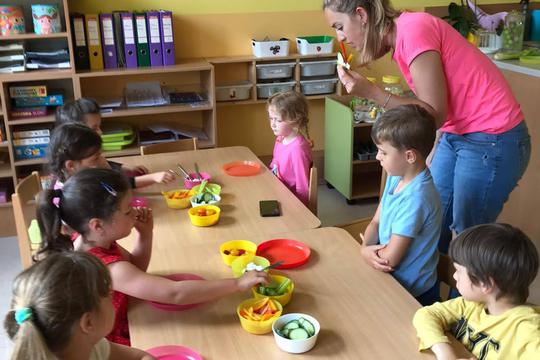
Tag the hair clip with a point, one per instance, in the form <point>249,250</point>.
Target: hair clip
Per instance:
<point>109,188</point>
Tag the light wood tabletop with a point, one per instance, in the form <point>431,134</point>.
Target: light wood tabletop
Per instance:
<point>364,314</point>
<point>240,198</point>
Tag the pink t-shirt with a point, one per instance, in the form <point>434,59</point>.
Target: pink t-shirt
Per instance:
<point>291,164</point>
<point>479,98</point>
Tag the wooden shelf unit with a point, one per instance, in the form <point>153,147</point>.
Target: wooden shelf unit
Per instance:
<point>30,36</point>
<point>242,70</point>
<point>353,178</point>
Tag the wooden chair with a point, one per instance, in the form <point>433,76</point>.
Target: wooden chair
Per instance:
<point>445,272</point>
<point>356,227</point>
<point>24,209</point>
<point>313,188</point>
<point>172,146</point>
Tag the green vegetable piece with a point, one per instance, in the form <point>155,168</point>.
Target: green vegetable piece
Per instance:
<point>298,334</point>
<point>283,287</point>
<point>293,324</point>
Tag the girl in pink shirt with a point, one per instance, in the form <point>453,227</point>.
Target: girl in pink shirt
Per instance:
<point>483,147</point>
<point>288,114</point>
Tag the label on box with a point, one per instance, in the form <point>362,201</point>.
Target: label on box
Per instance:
<point>32,141</point>
<point>31,134</point>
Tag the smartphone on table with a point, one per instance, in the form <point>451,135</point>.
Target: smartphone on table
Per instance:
<point>269,208</point>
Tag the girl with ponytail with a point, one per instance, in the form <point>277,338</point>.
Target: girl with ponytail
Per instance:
<point>96,204</point>
<point>61,309</point>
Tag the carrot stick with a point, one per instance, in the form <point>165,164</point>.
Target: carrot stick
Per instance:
<point>343,50</point>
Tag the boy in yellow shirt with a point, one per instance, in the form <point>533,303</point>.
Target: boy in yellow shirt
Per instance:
<point>495,264</point>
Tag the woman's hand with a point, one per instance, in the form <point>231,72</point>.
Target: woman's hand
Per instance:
<point>372,258</point>
<point>355,83</point>
<point>252,278</point>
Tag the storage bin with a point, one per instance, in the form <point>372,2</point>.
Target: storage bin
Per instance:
<point>115,132</point>
<point>233,92</point>
<point>264,91</point>
<point>319,86</point>
<point>269,48</point>
<point>309,45</point>
<point>318,68</point>
<point>118,145</point>
<point>275,70</point>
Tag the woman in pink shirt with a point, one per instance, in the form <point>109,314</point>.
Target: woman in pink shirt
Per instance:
<point>288,114</point>
<point>483,146</point>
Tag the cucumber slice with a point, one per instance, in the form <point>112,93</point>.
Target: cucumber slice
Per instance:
<point>298,334</point>
<point>293,324</point>
<point>285,333</point>
<point>308,326</point>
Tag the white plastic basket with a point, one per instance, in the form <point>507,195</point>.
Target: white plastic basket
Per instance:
<point>269,48</point>
<point>311,45</point>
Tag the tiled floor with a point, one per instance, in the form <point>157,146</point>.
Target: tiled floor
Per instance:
<point>333,210</point>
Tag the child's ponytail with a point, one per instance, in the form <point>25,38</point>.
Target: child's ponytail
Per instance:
<point>28,341</point>
<point>49,217</point>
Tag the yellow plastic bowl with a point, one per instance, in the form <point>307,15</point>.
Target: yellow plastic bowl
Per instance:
<point>178,203</point>
<point>248,246</point>
<point>210,187</point>
<point>257,327</point>
<point>282,299</point>
<point>238,265</point>
<point>204,220</point>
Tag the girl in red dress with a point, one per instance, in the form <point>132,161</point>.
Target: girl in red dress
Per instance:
<point>96,204</point>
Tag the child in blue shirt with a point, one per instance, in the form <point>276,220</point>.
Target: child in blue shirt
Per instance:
<point>403,236</point>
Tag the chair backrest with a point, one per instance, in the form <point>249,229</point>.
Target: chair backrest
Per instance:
<point>171,146</point>
<point>24,210</point>
<point>445,271</point>
<point>313,189</point>
<point>356,227</point>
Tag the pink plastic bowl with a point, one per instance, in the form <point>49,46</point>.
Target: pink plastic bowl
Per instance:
<point>189,184</point>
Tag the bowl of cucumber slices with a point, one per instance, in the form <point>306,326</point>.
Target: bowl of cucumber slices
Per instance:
<point>296,333</point>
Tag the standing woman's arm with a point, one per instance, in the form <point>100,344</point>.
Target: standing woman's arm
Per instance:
<point>428,79</point>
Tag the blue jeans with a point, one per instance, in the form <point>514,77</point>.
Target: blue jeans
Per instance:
<point>475,173</point>
<point>431,296</point>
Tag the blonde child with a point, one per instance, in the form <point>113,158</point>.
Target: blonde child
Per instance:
<point>495,265</point>
<point>403,236</point>
<point>292,158</point>
<point>86,111</point>
<point>96,204</point>
<point>74,146</point>
<point>62,309</point>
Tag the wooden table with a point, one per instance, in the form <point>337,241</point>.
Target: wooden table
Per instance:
<point>364,314</point>
<point>240,216</point>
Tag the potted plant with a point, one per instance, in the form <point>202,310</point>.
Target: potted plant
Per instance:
<point>462,18</point>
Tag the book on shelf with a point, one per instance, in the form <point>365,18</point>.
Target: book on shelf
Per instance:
<point>12,58</point>
<point>49,100</point>
<point>27,91</point>
<point>180,131</point>
<point>28,112</point>
<point>31,148</point>
<point>25,134</point>
<point>144,94</point>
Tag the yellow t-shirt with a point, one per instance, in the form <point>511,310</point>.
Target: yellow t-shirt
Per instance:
<point>514,334</point>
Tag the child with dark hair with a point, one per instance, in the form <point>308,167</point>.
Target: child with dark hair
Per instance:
<point>96,204</point>
<point>74,146</point>
<point>495,265</point>
<point>87,112</point>
<point>62,309</point>
<point>403,235</point>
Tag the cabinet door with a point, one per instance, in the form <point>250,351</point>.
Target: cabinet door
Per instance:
<point>338,146</point>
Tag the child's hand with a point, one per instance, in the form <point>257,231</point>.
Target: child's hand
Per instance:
<point>370,255</point>
<point>144,223</point>
<point>163,177</point>
<point>252,278</point>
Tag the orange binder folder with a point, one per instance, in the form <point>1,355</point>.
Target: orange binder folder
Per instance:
<point>93,35</point>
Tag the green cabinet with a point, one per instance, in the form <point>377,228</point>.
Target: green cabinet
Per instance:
<point>354,179</point>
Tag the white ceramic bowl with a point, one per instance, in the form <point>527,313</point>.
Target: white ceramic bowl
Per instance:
<point>295,346</point>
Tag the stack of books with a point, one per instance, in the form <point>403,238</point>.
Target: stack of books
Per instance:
<point>33,101</point>
<point>31,144</point>
<point>12,58</point>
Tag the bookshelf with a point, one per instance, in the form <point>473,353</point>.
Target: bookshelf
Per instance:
<point>187,75</point>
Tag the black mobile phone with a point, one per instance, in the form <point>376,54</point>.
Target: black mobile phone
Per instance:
<point>269,208</point>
